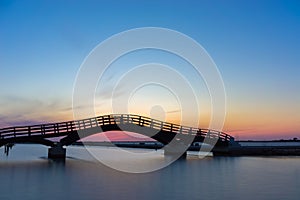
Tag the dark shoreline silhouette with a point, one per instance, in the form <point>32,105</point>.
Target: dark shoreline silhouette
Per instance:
<point>254,150</point>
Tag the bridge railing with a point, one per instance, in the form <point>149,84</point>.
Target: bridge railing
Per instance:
<point>63,128</point>
<point>166,126</point>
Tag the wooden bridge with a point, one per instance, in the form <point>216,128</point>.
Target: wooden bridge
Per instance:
<point>169,134</point>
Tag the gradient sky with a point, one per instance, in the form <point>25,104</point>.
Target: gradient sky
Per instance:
<point>255,44</point>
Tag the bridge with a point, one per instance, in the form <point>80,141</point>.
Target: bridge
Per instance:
<point>174,136</point>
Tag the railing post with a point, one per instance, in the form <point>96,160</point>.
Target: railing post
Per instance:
<point>226,137</point>
<point>151,123</point>
<point>80,124</point>
<point>29,131</point>
<point>100,120</point>
<point>208,133</point>
<point>90,121</point>
<point>83,122</point>
<point>113,119</point>
<point>109,122</point>
<point>95,120</point>
<point>67,124</point>
<point>121,119</point>
<point>72,123</point>
<point>56,127</point>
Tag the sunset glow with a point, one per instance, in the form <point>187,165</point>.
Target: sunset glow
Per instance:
<point>42,49</point>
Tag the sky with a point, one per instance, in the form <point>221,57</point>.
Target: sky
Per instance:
<point>254,44</point>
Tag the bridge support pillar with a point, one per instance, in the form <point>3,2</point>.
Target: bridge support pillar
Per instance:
<point>175,153</point>
<point>57,152</point>
<point>171,153</point>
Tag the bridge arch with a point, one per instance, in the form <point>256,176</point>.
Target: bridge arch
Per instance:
<point>72,131</point>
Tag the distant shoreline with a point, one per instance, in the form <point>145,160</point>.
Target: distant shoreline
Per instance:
<point>245,148</point>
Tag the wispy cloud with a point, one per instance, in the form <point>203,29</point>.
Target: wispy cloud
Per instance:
<point>173,111</point>
<point>107,93</point>
<point>15,110</point>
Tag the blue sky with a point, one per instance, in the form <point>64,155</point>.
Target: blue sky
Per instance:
<point>255,44</point>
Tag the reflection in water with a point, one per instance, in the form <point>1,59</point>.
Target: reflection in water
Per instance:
<point>24,175</point>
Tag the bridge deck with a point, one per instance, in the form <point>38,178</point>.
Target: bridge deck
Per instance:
<point>37,133</point>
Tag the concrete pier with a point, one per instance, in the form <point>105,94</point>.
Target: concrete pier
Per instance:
<point>175,151</point>
<point>173,154</point>
<point>57,152</point>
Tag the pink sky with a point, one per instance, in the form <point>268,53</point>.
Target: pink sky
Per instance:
<point>117,136</point>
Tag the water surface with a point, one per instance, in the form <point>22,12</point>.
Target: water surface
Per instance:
<point>26,174</point>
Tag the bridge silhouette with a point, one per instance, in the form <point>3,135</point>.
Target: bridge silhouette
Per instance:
<point>169,134</point>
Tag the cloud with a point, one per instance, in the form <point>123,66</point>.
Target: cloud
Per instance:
<point>240,131</point>
<point>173,111</point>
<point>107,93</point>
<point>70,108</point>
<point>17,110</point>
<point>17,120</point>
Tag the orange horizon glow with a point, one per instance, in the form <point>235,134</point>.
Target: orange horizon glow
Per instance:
<point>241,125</point>
<point>248,127</point>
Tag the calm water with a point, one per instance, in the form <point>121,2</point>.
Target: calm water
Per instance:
<point>27,175</point>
